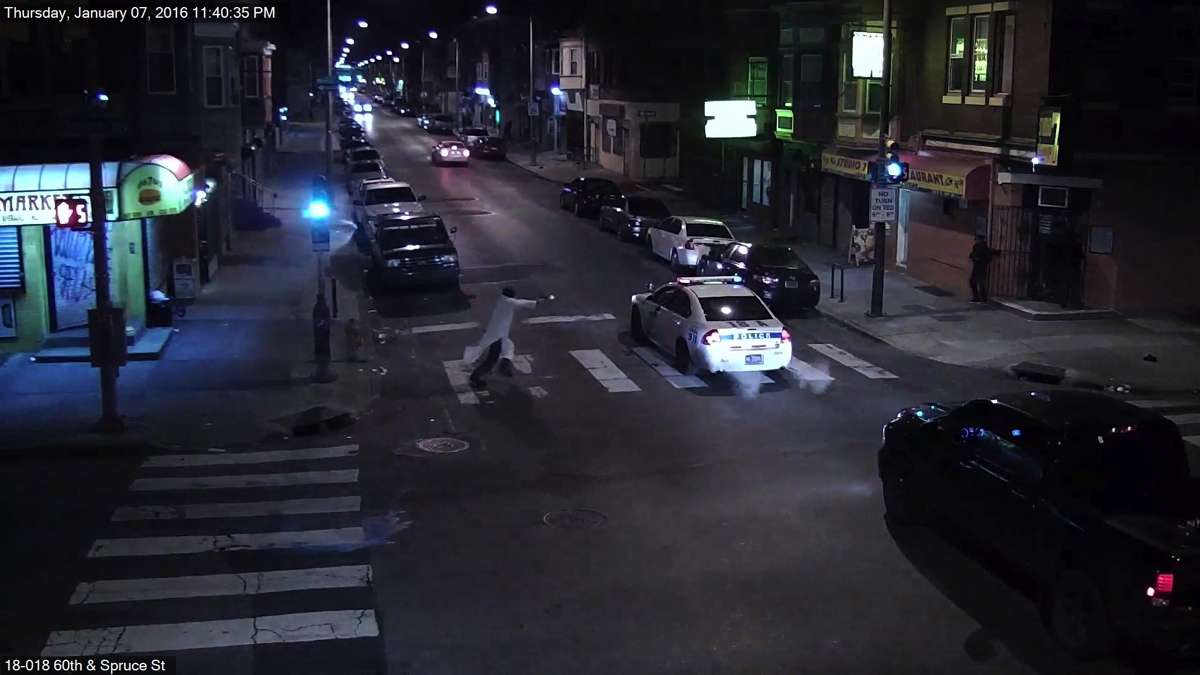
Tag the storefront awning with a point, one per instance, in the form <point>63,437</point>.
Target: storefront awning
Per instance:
<point>851,166</point>
<point>949,174</point>
<point>139,188</point>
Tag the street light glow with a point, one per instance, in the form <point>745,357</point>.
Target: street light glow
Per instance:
<point>362,23</point>
<point>349,41</point>
<point>556,91</point>
<point>432,34</point>
<point>404,45</point>
<point>388,52</point>
<point>395,59</point>
<point>491,9</point>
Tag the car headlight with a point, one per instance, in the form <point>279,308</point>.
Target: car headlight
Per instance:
<point>358,107</point>
<point>395,262</point>
<point>448,259</point>
<point>466,153</point>
<point>366,107</point>
<point>444,152</point>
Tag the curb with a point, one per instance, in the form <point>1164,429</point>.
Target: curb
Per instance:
<point>844,323</point>
<point>526,169</point>
<point>91,446</point>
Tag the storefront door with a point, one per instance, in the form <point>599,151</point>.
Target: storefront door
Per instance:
<point>72,278</point>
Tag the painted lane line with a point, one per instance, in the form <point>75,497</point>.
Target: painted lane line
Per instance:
<point>283,507</point>
<point>246,480</point>
<point>209,543</point>
<point>157,638</point>
<point>807,372</point>
<point>207,586</point>
<point>1192,440</point>
<point>677,379</point>
<point>604,370</point>
<point>1164,404</point>
<point>1188,418</point>
<point>568,319</point>
<point>865,368</point>
<point>456,373</point>
<point>264,457</point>
<point>538,392</point>
<point>443,327</point>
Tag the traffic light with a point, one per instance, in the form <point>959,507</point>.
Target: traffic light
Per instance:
<point>890,170</point>
<point>319,202</point>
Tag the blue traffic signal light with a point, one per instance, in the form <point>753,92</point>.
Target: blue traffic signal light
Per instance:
<point>317,209</point>
<point>891,170</point>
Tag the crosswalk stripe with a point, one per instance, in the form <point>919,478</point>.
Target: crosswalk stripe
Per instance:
<point>206,543</point>
<point>1192,440</point>
<point>283,507</point>
<point>538,392</point>
<point>278,628</point>
<point>604,370</point>
<point>534,320</point>
<point>246,480</point>
<point>249,583</point>
<point>264,457</point>
<point>865,368</point>
<point>1188,418</point>
<point>459,381</point>
<point>1164,404</point>
<point>674,377</point>
<point>443,327</point>
<point>807,372</point>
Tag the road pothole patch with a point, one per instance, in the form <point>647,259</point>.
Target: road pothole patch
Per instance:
<point>442,445</point>
<point>575,519</point>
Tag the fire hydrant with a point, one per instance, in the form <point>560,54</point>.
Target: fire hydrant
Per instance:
<point>354,340</point>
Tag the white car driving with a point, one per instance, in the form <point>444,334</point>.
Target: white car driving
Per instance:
<point>384,198</point>
<point>713,324</point>
<point>683,240</point>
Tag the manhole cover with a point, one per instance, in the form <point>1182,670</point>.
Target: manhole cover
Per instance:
<point>442,446</point>
<point>575,519</point>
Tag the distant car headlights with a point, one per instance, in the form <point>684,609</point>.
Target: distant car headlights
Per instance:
<point>444,152</point>
<point>358,107</point>
<point>466,153</point>
<point>366,107</point>
<point>447,259</point>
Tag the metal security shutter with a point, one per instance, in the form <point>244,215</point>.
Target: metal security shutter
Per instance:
<point>10,259</point>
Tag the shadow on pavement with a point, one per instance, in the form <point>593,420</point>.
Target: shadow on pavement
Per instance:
<point>404,302</point>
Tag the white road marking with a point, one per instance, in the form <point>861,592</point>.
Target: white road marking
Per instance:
<point>246,480</point>
<point>1188,418</point>
<point>538,392</point>
<point>845,358</point>
<point>604,370</point>
<point>1192,440</point>
<point>283,507</point>
<point>207,543</point>
<point>523,363</point>
<point>568,319</point>
<point>263,457</point>
<point>249,583</point>
<point>157,638</point>
<point>1164,404</point>
<point>458,376</point>
<point>808,372</point>
<point>443,327</point>
<point>677,379</point>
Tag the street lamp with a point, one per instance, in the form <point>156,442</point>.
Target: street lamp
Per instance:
<point>362,23</point>
<point>395,59</point>
<point>404,45</point>
<point>349,41</point>
<point>388,52</point>
<point>432,34</point>
<point>491,9</point>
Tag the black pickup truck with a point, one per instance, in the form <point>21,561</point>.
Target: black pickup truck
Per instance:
<point>1089,495</point>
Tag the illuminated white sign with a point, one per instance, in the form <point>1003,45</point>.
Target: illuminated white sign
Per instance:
<point>730,119</point>
<point>866,54</point>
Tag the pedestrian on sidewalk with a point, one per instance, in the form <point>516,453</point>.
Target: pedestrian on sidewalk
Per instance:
<point>981,256</point>
<point>495,345</point>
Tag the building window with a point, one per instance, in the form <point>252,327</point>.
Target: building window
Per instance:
<point>980,34</point>
<point>955,68</point>
<point>555,61</point>
<point>785,80</point>
<point>573,61</point>
<point>810,68</point>
<point>849,87</point>
<point>756,79</point>
<point>250,76</point>
<point>874,96</point>
<point>1006,38</point>
<point>756,182</point>
<point>785,37</point>
<point>160,58</point>
<point>214,77</point>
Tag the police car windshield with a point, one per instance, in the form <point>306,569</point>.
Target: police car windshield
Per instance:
<point>708,230</point>
<point>734,308</point>
<point>399,237</point>
<point>391,194</point>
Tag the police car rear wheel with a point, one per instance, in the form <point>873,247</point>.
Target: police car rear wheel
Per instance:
<point>676,268</point>
<point>683,358</point>
<point>635,327</point>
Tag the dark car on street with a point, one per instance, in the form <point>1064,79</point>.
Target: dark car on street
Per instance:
<point>489,147</point>
<point>633,218</point>
<point>774,271</point>
<point>1091,497</point>
<point>414,250</point>
<point>585,196</point>
<point>351,143</point>
<point>441,124</point>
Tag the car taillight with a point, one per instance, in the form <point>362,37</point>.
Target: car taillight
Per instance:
<point>785,336</point>
<point>688,245</point>
<point>1164,583</point>
<point>711,338</point>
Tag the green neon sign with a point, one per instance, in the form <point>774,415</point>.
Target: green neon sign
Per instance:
<point>784,123</point>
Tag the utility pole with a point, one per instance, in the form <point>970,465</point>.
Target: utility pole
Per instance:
<point>884,120</point>
<point>320,312</point>
<point>328,94</point>
<point>532,118</point>
<point>106,324</point>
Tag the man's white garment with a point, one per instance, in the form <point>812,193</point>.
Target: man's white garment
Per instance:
<point>498,328</point>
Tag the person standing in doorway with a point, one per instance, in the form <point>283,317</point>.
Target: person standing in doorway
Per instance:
<point>495,343</point>
<point>981,256</point>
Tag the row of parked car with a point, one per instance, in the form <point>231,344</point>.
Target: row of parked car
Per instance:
<point>693,244</point>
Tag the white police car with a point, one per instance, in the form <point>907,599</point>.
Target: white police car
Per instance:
<point>711,323</point>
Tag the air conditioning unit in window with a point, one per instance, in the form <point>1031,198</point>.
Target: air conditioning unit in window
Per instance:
<point>8,318</point>
<point>1053,197</point>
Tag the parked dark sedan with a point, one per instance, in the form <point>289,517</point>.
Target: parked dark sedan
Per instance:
<point>440,124</point>
<point>414,250</point>
<point>633,218</point>
<point>585,196</point>
<point>1090,496</point>
<point>774,271</point>
<point>491,147</point>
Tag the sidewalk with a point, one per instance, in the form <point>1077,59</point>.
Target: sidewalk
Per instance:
<point>241,357</point>
<point>931,323</point>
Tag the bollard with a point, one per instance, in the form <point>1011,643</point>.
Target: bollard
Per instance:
<point>321,333</point>
<point>354,340</point>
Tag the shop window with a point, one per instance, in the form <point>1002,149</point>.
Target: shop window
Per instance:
<point>214,77</point>
<point>955,66</point>
<point>658,140</point>
<point>980,39</point>
<point>756,79</point>
<point>756,182</point>
<point>160,58</point>
<point>785,81</point>
<point>250,88</point>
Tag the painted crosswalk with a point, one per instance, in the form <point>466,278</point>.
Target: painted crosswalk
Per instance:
<point>865,368</point>
<point>604,370</point>
<point>186,536</point>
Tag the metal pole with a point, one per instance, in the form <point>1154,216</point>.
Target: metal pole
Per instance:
<point>110,420</point>
<point>884,119</point>
<point>328,94</point>
<point>532,119</point>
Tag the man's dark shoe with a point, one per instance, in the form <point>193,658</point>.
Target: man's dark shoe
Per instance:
<point>477,383</point>
<point>506,368</point>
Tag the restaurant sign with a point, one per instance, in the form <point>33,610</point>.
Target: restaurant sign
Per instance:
<point>937,182</point>
<point>845,166</point>
<point>153,190</point>
<point>37,207</point>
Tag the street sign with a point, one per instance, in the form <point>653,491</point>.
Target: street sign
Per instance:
<point>884,202</point>
<point>534,109</point>
<point>320,236</point>
<point>647,113</point>
<point>327,83</point>
<point>71,212</point>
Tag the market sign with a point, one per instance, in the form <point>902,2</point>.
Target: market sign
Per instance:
<point>37,207</point>
<point>161,186</point>
<point>851,167</point>
<point>730,119</point>
<point>936,181</point>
